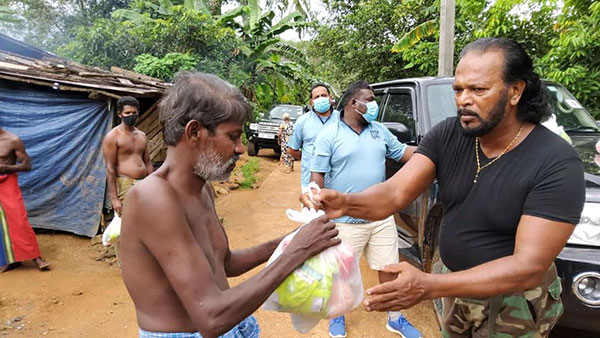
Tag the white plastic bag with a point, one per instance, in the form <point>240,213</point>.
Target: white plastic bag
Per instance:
<point>112,231</point>
<point>325,286</point>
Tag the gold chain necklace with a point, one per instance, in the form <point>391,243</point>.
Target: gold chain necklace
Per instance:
<point>479,167</point>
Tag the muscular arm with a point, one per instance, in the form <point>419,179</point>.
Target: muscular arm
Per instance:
<point>408,153</point>
<point>318,178</point>
<point>22,160</point>
<point>296,154</point>
<point>383,199</point>
<point>147,162</point>
<point>538,243</point>
<point>109,150</point>
<point>167,235</point>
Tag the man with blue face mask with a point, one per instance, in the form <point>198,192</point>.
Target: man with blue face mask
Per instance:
<point>349,156</point>
<point>308,126</point>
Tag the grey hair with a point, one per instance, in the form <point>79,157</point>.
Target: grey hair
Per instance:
<point>202,97</point>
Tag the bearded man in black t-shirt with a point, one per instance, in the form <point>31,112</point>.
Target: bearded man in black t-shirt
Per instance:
<point>512,192</point>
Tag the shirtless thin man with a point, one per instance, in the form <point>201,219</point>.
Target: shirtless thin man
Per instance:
<point>23,245</point>
<point>175,255</point>
<point>126,155</point>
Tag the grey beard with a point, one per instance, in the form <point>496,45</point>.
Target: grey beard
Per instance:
<point>212,167</point>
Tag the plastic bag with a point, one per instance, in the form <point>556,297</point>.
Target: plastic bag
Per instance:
<point>112,231</point>
<point>325,286</point>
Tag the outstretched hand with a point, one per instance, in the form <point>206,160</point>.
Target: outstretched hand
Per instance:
<point>330,201</point>
<point>408,289</point>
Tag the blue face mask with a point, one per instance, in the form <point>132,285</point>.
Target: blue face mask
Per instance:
<point>372,110</point>
<point>321,104</point>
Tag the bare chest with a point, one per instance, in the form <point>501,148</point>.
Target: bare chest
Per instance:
<point>129,144</point>
<point>209,234</point>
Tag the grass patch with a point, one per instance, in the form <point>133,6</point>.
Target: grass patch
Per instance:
<point>249,170</point>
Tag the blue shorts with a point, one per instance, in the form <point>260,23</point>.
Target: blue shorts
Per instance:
<point>247,328</point>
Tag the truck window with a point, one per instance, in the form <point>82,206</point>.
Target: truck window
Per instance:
<point>441,103</point>
<point>399,108</point>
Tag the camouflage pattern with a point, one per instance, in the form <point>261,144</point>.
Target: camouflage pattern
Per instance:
<point>532,313</point>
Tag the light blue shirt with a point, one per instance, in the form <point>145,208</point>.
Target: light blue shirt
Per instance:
<point>353,161</point>
<point>306,129</point>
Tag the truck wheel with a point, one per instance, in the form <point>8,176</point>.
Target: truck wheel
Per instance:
<point>252,148</point>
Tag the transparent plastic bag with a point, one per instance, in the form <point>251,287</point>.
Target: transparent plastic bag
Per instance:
<point>112,231</point>
<point>325,286</point>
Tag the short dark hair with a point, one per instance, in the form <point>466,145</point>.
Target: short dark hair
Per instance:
<point>320,85</point>
<point>354,88</point>
<point>127,101</point>
<point>202,97</point>
<point>533,106</point>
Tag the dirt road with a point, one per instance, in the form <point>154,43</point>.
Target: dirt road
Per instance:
<point>82,297</point>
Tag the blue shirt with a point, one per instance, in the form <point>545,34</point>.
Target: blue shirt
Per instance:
<point>353,161</point>
<point>306,129</point>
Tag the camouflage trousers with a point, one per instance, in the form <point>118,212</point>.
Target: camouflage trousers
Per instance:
<point>531,313</point>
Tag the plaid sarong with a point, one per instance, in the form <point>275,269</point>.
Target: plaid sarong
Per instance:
<point>247,328</point>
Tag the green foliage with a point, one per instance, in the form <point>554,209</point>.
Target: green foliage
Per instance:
<point>50,23</point>
<point>112,42</point>
<point>357,42</point>
<point>164,68</point>
<point>573,59</point>
<point>274,71</point>
<point>249,170</point>
<point>7,15</point>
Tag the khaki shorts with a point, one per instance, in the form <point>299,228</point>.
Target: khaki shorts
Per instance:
<point>378,240</point>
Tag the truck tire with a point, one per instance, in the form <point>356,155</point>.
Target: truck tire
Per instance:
<point>252,148</point>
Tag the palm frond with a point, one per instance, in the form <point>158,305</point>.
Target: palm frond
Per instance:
<point>129,15</point>
<point>411,38</point>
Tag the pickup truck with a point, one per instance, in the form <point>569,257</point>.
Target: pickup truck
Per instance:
<point>263,133</point>
<point>411,107</point>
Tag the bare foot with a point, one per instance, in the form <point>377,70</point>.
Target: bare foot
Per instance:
<point>41,264</point>
<point>10,266</point>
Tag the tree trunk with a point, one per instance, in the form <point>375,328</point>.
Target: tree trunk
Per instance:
<point>214,6</point>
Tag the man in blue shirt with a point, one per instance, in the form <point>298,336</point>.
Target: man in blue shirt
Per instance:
<point>349,156</point>
<point>308,126</point>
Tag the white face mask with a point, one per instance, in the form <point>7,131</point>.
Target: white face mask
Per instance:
<point>212,167</point>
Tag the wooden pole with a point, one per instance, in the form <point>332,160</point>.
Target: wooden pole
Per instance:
<point>446,54</point>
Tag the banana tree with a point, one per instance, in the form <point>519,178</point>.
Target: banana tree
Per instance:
<point>262,52</point>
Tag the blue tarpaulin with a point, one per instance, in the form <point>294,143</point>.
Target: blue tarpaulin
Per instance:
<point>62,132</point>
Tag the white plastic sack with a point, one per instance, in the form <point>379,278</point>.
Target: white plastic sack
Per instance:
<point>325,286</point>
<point>112,231</point>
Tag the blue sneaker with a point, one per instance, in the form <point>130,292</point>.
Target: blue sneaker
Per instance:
<point>402,327</point>
<point>337,327</point>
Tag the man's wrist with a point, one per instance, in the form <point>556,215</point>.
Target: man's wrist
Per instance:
<point>430,281</point>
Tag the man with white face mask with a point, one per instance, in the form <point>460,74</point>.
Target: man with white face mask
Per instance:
<point>175,255</point>
<point>308,126</point>
<point>349,156</point>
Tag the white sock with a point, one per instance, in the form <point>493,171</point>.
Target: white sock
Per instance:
<point>394,315</point>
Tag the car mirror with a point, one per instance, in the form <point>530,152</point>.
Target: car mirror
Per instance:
<point>400,131</point>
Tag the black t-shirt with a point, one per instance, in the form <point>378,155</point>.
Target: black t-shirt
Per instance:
<point>542,177</point>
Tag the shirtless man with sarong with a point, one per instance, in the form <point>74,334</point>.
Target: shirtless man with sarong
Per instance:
<point>175,255</point>
<point>126,155</point>
<point>17,239</point>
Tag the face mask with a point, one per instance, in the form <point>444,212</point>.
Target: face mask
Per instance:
<point>322,104</point>
<point>372,110</point>
<point>130,120</point>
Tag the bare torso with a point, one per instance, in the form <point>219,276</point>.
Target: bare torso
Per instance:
<point>131,146</point>
<point>7,148</point>
<point>158,307</point>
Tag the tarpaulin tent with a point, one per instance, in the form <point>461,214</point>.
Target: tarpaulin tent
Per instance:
<point>62,110</point>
